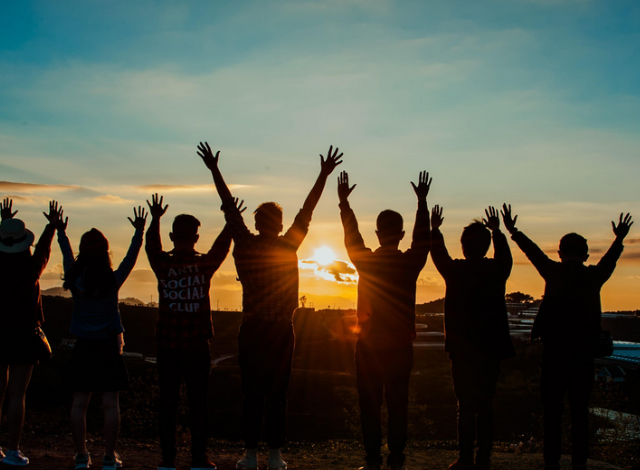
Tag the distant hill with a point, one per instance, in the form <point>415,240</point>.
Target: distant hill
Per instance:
<point>131,301</point>
<point>56,292</point>
<point>435,306</point>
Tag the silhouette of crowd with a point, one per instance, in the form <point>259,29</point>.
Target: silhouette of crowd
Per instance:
<point>477,335</point>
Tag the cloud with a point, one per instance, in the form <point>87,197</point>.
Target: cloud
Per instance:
<point>338,271</point>
<point>143,275</point>
<point>113,199</point>
<point>226,280</point>
<point>36,187</point>
<point>185,188</point>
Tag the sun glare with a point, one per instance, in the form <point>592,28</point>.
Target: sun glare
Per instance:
<point>324,256</point>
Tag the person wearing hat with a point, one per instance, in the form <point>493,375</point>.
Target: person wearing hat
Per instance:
<point>97,364</point>
<point>20,314</point>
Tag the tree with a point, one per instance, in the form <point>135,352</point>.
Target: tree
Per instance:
<point>518,298</point>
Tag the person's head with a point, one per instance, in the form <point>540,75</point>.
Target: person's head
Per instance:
<point>268,217</point>
<point>475,240</point>
<point>573,247</point>
<point>92,266</point>
<point>184,234</point>
<point>389,228</point>
<point>14,236</point>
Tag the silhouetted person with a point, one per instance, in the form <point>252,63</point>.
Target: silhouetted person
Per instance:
<point>96,363</point>
<point>476,328</point>
<point>568,323</point>
<point>184,327</point>
<point>267,265</point>
<point>20,314</point>
<point>386,319</point>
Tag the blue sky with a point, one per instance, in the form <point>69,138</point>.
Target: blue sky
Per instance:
<point>532,102</point>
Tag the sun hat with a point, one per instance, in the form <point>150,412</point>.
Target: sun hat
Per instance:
<point>14,236</point>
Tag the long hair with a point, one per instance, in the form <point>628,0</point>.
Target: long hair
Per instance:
<point>91,274</point>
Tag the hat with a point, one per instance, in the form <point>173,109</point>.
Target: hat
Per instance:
<point>93,242</point>
<point>14,236</point>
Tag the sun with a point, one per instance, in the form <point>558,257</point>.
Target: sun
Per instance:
<point>324,256</point>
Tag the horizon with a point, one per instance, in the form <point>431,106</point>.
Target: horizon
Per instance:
<point>530,102</point>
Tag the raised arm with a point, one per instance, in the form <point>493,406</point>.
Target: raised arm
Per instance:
<point>43,248</point>
<point>608,262</point>
<point>65,245</point>
<point>220,248</point>
<point>211,161</point>
<point>502,253</point>
<point>439,253</point>
<point>153,246</point>
<point>129,261</point>
<point>326,168</point>
<point>538,258</point>
<point>421,230</point>
<point>352,238</point>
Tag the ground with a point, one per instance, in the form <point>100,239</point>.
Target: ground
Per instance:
<point>56,452</point>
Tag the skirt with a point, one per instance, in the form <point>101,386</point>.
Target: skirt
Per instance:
<point>18,347</point>
<point>97,366</point>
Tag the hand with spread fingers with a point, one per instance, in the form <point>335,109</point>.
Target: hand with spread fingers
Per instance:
<point>209,159</point>
<point>155,206</point>
<point>509,221</point>
<point>624,225</point>
<point>55,213</point>
<point>492,221</point>
<point>333,160</point>
<point>139,218</point>
<point>6,207</point>
<point>424,185</point>
<point>436,217</point>
<point>343,187</point>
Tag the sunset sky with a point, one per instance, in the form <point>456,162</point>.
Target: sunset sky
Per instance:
<point>532,102</point>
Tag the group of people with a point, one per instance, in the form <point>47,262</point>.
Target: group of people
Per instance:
<point>476,326</point>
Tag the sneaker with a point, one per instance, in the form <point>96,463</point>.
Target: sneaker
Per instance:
<point>166,466</point>
<point>461,465</point>
<point>15,458</point>
<point>111,463</point>
<point>370,467</point>
<point>82,461</point>
<point>203,465</point>
<point>247,462</point>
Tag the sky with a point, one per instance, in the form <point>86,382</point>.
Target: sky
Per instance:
<point>531,102</point>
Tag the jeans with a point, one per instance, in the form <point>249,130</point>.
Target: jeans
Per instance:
<point>192,364</point>
<point>564,372</point>
<point>475,376</point>
<point>265,353</point>
<point>387,371</point>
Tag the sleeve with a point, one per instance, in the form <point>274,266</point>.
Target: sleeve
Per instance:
<point>439,254</point>
<point>42,253</point>
<point>153,245</point>
<point>129,261</point>
<point>421,241</point>
<point>352,238</point>
<point>299,229</point>
<point>67,251</point>
<point>540,261</point>
<point>502,253</point>
<point>219,250</point>
<point>607,263</point>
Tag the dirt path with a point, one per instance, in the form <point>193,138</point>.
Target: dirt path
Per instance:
<point>57,453</point>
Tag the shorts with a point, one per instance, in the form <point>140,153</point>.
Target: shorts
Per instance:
<point>97,366</point>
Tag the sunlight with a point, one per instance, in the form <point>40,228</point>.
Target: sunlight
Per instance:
<point>324,256</point>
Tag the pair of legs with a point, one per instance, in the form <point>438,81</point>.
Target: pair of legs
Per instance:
<point>111,406</point>
<point>384,372</point>
<point>475,376</point>
<point>193,364</point>
<point>14,380</point>
<point>265,353</point>
<point>573,374</point>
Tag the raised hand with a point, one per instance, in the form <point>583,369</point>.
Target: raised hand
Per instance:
<point>327,166</point>
<point>424,184</point>
<point>492,221</point>
<point>55,213</point>
<point>624,224</point>
<point>5,209</point>
<point>239,205</point>
<point>436,217</point>
<point>343,186</point>
<point>155,206</point>
<point>209,159</point>
<point>140,218</point>
<point>509,221</point>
